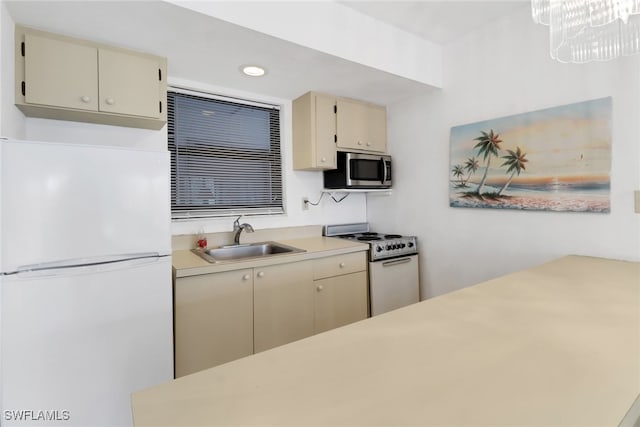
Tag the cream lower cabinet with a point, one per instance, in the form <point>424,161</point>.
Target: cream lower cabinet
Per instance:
<point>213,319</point>
<point>283,299</point>
<point>341,290</point>
<point>220,317</point>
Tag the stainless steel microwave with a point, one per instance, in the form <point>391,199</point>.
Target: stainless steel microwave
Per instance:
<point>356,170</point>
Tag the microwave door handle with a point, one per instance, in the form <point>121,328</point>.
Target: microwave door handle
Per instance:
<point>384,171</point>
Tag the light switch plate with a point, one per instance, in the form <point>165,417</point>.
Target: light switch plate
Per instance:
<point>637,201</point>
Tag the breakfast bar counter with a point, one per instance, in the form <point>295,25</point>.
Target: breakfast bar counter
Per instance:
<point>554,345</point>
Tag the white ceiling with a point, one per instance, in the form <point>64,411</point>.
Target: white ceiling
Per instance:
<point>438,21</point>
<point>208,50</point>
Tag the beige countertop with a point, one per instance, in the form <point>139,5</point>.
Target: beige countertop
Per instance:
<point>555,345</point>
<point>186,263</point>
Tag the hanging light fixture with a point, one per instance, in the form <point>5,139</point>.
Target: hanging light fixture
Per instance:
<point>590,30</point>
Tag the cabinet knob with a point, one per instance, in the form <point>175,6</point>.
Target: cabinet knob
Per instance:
<point>86,99</point>
<point>319,288</point>
<point>110,101</point>
<point>324,159</point>
<point>342,264</point>
<point>368,144</point>
<point>261,274</point>
<point>359,142</point>
<point>246,277</point>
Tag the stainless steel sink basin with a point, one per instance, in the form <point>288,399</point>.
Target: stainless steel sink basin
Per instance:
<point>242,252</point>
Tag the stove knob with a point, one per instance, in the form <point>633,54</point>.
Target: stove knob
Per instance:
<point>402,246</point>
<point>410,244</point>
<point>379,248</point>
<point>388,247</point>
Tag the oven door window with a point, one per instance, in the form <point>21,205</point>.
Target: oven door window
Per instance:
<point>366,170</point>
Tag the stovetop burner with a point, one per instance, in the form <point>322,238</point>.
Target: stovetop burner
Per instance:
<point>383,246</point>
<point>368,238</point>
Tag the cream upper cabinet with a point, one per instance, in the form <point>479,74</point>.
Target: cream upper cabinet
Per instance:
<point>324,124</point>
<point>63,78</point>
<point>341,290</point>
<point>283,299</point>
<point>128,83</point>
<point>60,73</point>
<point>361,126</point>
<point>314,132</point>
<point>213,319</point>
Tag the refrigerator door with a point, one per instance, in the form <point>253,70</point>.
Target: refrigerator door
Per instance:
<point>77,342</point>
<point>71,202</point>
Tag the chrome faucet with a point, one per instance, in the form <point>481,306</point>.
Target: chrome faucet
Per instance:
<point>237,228</point>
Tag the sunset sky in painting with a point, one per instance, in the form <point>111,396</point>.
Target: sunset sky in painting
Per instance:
<point>566,143</point>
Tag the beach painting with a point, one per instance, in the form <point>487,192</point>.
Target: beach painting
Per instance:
<point>556,159</point>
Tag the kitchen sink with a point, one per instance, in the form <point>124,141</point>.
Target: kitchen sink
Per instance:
<point>242,252</point>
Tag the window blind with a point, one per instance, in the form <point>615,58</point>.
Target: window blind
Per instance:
<point>225,157</point>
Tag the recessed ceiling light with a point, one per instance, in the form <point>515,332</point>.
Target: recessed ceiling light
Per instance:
<point>253,70</point>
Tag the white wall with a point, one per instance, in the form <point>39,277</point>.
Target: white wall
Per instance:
<point>298,184</point>
<point>501,70</point>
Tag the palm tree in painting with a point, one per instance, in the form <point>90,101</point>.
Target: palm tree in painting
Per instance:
<point>471,166</point>
<point>458,173</point>
<point>515,160</point>
<point>488,145</point>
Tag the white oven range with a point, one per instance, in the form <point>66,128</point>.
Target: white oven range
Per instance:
<point>393,265</point>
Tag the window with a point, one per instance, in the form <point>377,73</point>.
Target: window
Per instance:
<point>225,156</point>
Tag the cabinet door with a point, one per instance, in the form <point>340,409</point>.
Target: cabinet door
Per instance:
<point>213,319</point>
<point>377,128</point>
<point>340,300</point>
<point>60,73</point>
<point>129,84</point>
<point>361,126</point>
<point>351,125</point>
<point>314,130</point>
<point>325,132</point>
<point>283,304</point>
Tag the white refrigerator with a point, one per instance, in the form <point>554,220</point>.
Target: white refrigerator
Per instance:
<point>85,281</point>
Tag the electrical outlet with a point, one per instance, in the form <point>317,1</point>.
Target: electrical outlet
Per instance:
<point>305,203</point>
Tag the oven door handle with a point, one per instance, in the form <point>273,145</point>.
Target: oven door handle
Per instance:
<point>396,262</point>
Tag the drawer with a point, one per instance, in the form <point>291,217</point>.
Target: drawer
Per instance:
<point>339,264</point>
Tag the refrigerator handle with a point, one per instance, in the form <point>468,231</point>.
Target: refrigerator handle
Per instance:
<point>83,262</point>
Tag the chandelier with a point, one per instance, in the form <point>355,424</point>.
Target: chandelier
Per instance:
<point>590,30</point>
